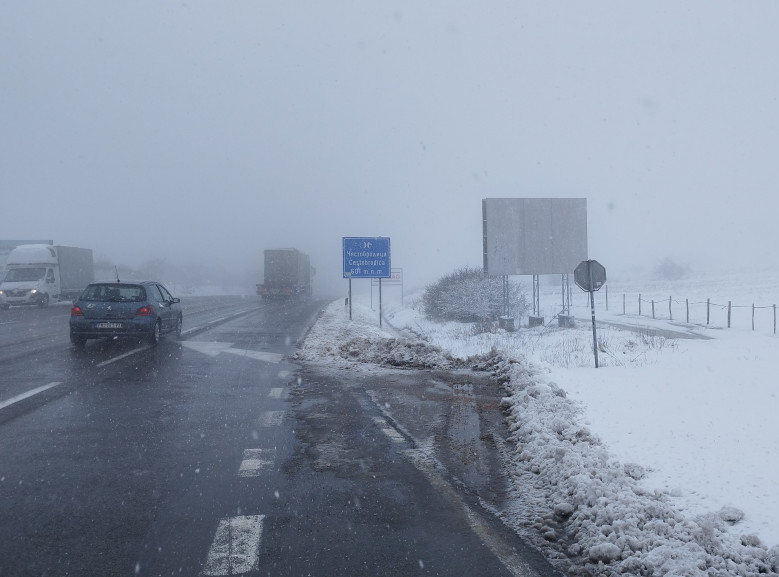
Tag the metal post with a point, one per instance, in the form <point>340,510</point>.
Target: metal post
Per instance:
<point>729,309</point>
<point>350,299</point>
<point>505,295</point>
<point>562,289</point>
<point>536,295</point>
<point>670,312</point>
<point>687,305</point>
<point>379,302</point>
<point>592,307</point>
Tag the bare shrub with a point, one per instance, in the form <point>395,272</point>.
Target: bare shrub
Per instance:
<point>468,295</point>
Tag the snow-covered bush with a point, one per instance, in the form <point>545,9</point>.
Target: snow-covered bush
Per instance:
<point>469,295</point>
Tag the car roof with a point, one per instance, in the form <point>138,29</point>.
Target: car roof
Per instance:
<point>124,282</point>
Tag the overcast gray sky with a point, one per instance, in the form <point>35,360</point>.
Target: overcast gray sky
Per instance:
<point>209,131</point>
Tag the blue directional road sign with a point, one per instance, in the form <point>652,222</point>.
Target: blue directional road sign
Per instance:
<point>367,257</point>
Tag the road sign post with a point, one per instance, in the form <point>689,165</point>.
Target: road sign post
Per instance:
<point>589,276</point>
<point>366,257</point>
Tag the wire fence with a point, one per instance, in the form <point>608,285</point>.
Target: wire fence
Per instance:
<point>724,314</point>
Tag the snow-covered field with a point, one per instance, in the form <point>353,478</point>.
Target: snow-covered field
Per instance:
<point>662,461</point>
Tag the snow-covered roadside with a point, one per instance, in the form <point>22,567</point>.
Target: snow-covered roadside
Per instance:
<point>591,511</point>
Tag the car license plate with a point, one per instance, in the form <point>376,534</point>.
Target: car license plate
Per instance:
<point>108,325</point>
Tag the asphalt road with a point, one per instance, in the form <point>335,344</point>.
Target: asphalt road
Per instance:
<point>215,455</point>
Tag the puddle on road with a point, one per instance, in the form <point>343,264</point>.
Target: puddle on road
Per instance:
<point>457,415</point>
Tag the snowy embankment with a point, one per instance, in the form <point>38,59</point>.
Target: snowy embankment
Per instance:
<point>594,510</point>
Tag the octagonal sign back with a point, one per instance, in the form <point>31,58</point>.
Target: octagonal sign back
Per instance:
<point>589,269</point>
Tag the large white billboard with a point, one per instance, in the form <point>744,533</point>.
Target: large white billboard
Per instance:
<point>533,236</point>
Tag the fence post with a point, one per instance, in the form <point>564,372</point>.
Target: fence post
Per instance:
<point>653,309</point>
<point>753,316</point>
<point>623,303</point>
<point>639,305</point>
<point>729,309</point>
<point>670,312</point>
<point>687,306</point>
<point>708,310</point>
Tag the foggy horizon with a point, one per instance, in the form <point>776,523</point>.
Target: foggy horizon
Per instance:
<point>204,133</point>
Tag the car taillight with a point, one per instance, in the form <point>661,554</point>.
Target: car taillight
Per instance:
<point>146,311</point>
<point>75,311</point>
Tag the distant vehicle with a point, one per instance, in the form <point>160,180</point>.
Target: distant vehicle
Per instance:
<point>287,274</point>
<point>40,273</point>
<point>144,310</point>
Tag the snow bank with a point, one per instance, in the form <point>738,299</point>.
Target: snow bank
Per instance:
<point>590,513</point>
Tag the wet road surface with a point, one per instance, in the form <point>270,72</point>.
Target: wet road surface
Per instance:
<point>215,455</point>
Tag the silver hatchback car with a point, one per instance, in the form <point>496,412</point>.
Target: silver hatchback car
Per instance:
<point>143,310</point>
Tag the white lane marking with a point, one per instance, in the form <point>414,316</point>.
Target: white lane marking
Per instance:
<point>271,418</point>
<point>505,552</point>
<point>257,355</point>
<point>209,348</point>
<point>394,435</point>
<point>276,393</point>
<point>28,394</point>
<point>255,460</point>
<point>120,357</point>
<point>236,546</point>
<point>214,348</point>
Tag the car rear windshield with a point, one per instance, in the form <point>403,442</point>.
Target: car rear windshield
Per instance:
<point>114,293</point>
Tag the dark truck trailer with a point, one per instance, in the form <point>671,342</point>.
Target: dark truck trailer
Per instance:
<point>287,274</point>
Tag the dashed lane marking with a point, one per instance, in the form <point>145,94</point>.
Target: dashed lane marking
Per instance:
<point>271,418</point>
<point>120,357</point>
<point>276,393</point>
<point>389,431</point>
<point>236,546</point>
<point>255,460</point>
<point>28,394</point>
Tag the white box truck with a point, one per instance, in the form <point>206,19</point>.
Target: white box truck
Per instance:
<point>37,274</point>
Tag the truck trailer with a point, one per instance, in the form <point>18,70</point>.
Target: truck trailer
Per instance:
<point>38,274</point>
<point>287,274</point>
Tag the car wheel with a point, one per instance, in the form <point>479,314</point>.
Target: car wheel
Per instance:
<point>154,338</point>
<point>77,340</point>
<point>179,323</point>
<point>44,302</point>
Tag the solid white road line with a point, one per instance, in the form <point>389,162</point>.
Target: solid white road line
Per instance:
<point>511,560</point>
<point>255,460</point>
<point>28,394</point>
<point>236,546</point>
